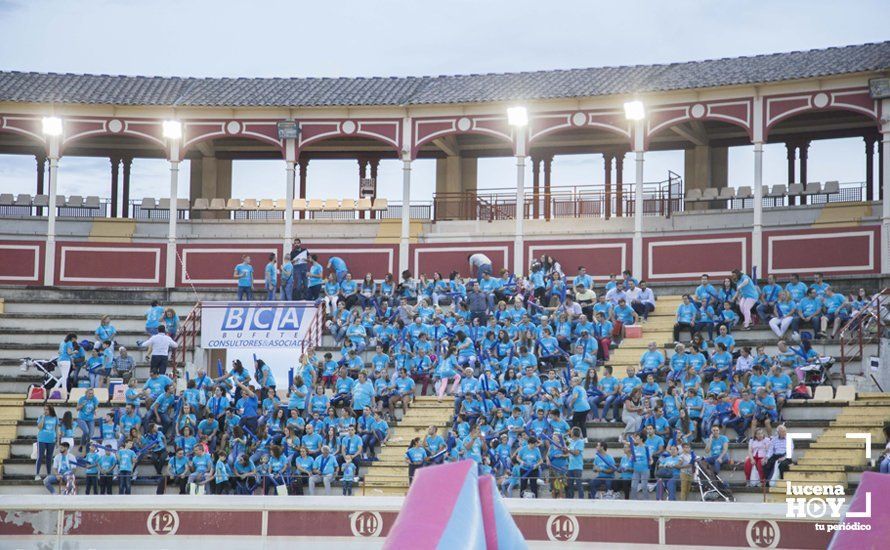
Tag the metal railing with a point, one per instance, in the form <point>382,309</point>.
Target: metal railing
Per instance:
<point>863,328</point>
<point>189,334</point>
<point>853,191</point>
<point>660,198</point>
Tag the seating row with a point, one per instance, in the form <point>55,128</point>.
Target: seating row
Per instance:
<point>74,201</point>
<point>745,191</point>
<point>299,205</point>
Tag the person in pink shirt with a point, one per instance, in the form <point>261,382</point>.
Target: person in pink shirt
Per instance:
<point>758,452</point>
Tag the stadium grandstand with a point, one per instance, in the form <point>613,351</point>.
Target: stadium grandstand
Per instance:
<point>622,340</point>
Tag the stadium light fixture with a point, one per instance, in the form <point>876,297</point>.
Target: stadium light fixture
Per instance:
<point>634,110</point>
<point>172,129</point>
<point>52,126</point>
<point>517,116</point>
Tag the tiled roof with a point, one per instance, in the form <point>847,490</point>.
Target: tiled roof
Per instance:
<point>319,92</point>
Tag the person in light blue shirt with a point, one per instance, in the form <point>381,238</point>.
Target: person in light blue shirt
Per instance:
<point>705,291</point>
<point>796,289</point>
<point>315,278</point>
<point>347,476</point>
<point>686,317</point>
<point>153,316</point>
<point>337,264</point>
<point>47,435</point>
<point>748,293</point>
<point>717,449</point>
<point>575,449</point>
<point>769,295</point>
<point>126,460</point>
<point>86,416</point>
<point>201,466</point>
<point>604,466</point>
<point>837,310</point>
<point>270,279</point>
<point>287,279</point>
<point>729,318</point>
<point>819,285</point>
<point>652,361</point>
<point>244,275</point>
<point>809,311</point>
<point>582,278</point>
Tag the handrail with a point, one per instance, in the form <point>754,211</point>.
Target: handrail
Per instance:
<point>185,339</point>
<point>853,337</point>
<point>313,335</point>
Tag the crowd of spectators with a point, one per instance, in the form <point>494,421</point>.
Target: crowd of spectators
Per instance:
<point>525,358</point>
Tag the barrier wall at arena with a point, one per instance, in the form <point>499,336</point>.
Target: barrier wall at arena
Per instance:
<point>176,522</point>
<point>838,241</point>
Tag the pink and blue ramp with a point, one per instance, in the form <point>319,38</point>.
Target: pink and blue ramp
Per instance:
<point>450,506</point>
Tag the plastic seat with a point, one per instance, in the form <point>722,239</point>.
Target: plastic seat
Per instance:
<point>280,204</point>
<point>148,203</point>
<point>795,189</point>
<point>266,204</point>
<point>363,204</point>
<point>75,394</point>
<point>92,202</point>
<point>101,394</point>
<point>845,393</point>
<point>6,199</point>
<point>299,205</point>
<point>331,204</point>
<point>315,205</point>
<point>23,200</point>
<point>347,205</point>
<point>744,192</point>
<point>727,193</point>
<point>164,204</point>
<point>380,205</point>
<point>249,204</point>
<point>693,195</point>
<point>75,201</point>
<point>709,194</point>
<point>777,191</point>
<point>201,204</point>
<point>41,200</point>
<point>217,204</point>
<point>813,188</point>
<point>831,188</point>
<point>823,393</point>
<point>60,200</point>
<point>233,204</point>
<point>182,204</point>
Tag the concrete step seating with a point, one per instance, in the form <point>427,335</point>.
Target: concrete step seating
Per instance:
<point>832,456</point>
<point>389,475</point>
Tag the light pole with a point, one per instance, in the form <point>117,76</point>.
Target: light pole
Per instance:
<point>173,133</point>
<point>52,129</point>
<point>635,111</point>
<point>517,117</point>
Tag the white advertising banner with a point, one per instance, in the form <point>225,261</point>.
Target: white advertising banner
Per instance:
<point>255,325</point>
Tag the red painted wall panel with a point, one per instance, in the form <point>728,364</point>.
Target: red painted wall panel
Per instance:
<point>686,258</point>
<point>360,259</point>
<point>213,264</point>
<point>848,250</point>
<point>92,522</point>
<point>21,262</point>
<point>109,264</point>
<point>691,532</point>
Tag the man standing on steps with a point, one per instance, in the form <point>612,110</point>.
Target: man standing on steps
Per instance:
<point>299,256</point>
<point>480,264</point>
<point>160,345</point>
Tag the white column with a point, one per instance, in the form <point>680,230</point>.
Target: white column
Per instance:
<point>757,232</point>
<point>885,204</point>
<point>519,239</point>
<point>49,261</point>
<point>171,228</point>
<point>637,267</point>
<point>406,214</point>
<point>291,172</point>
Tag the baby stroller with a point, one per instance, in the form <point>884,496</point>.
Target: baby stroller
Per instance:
<point>816,373</point>
<point>710,486</point>
<point>48,368</point>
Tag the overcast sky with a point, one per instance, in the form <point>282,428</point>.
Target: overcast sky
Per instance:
<point>404,37</point>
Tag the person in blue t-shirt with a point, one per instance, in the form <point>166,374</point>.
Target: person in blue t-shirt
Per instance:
<point>717,449</point>
<point>153,316</point>
<point>686,317</point>
<point>126,460</point>
<point>270,279</point>
<point>338,266</point>
<point>530,460</point>
<point>244,275</point>
<point>47,435</point>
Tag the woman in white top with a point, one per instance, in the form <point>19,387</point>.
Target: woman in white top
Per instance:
<point>758,452</point>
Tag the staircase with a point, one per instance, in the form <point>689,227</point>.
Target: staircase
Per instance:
<point>831,457</point>
<point>658,328</point>
<point>12,410</point>
<point>389,475</point>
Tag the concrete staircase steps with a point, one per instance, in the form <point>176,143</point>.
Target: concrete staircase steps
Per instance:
<point>389,475</point>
